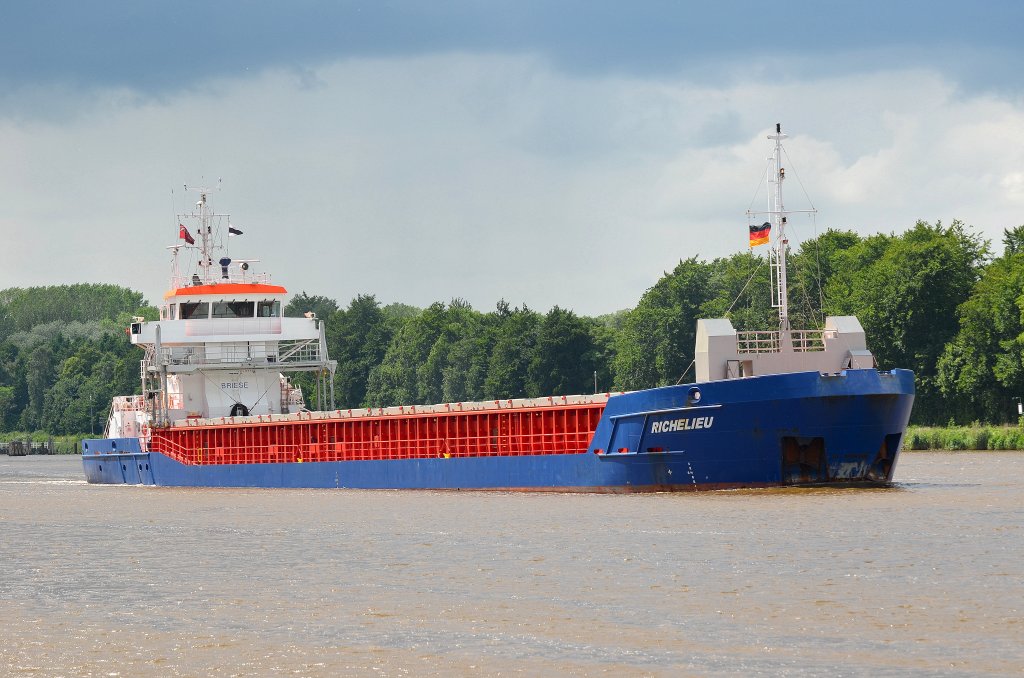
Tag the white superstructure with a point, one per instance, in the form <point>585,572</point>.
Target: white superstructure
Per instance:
<point>221,346</point>
<point>724,353</point>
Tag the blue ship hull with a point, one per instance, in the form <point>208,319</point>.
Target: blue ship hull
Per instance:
<point>789,429</point>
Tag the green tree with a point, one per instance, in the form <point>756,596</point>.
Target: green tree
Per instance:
<point>400,312</point>
<point>303,303</point>
<point>982,369</point>
<point>604,333</point>
<point>7,325</point>
<point>739,288</point>
<point>906,290</point>
<point>7,402</point>
<point>515,338</point>
<point>1013,240</point>
<point>38,378</point>
<point>403,375</point>
<point>442,375</point>
<point>66,303</point>
<point>357,337</point>
<point>645,358</point>
<point>564,358</point>
<point>463,377</point>
<point>810,270</point>
<point>656,343</point>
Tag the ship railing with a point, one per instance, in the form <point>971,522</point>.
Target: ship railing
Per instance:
<point>167,445</point>
<point>125,404</point>
<point>132,403</point>
<point>137,403</point>
<point>289,352</point>
<point>234,276</point>
<point>106,426</point>
<point>758,342</point>
<point>299,350</point>
<point>292,397</point>
<point>811,340</point>
<point>802,341</point>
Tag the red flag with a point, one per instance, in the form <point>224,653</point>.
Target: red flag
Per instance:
<point>183,233</point>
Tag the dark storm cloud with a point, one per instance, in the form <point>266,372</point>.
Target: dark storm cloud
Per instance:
<point>156,47</point>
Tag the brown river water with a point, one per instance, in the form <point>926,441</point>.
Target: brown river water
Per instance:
<point>922,579</point>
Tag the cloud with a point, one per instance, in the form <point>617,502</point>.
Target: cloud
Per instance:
<point>160,49</point>
<point>489,176</point>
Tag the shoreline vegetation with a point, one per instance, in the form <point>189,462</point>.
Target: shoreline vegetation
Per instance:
<point>62,444</point>
<point>976,437</point>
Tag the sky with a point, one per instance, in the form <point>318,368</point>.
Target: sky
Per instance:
<point>541,152</point>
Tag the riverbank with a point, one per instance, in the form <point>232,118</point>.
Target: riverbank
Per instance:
<point>973,437</point>
<point>69,444</point>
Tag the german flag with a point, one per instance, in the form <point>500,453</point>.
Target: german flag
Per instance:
<point>759,234</point>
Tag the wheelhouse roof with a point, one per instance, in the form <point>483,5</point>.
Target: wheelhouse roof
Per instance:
<point>254,291</point>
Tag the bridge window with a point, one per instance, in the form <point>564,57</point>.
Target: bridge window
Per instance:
<point>232,309</point>
<point>268,309</point>
<point>195,310</point>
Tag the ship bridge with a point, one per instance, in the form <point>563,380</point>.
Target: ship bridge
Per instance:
<point>219,348</point>
<point>230,325</point>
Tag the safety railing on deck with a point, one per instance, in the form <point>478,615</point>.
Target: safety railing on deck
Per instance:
<point>234,276</point>
<point>292,397</point>
<point>757,342</point>
<point>803,341</point>
<point>288,352</point>
<point>131,403</point>
<point>811,340</point>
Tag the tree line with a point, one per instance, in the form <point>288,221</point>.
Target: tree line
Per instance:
<point>936,299</point>
<point>64,354</point>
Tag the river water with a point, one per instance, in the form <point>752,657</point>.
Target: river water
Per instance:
<point>922,579</point>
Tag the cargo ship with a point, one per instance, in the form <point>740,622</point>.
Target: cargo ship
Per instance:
<point>218,408</point>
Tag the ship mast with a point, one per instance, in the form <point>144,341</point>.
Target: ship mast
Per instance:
<point>204,226</point>
<point>206,243</point>
<point>778,218</point>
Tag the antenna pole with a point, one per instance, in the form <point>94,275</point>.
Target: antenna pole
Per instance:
<point>175,268</point>
<point>778,217</point>
<point>204,226</point>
